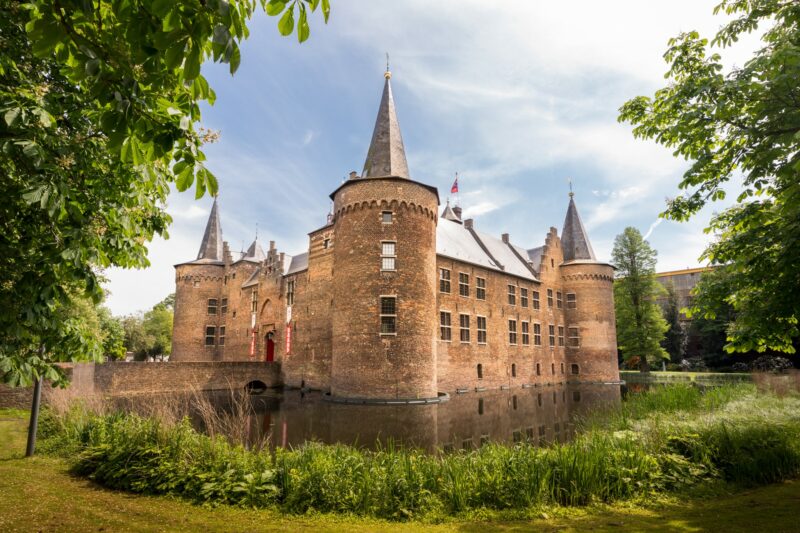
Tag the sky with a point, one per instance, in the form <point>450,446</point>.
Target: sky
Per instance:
<point>517,97</point>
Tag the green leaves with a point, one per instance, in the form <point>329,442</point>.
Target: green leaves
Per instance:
<point>286,10</point>
<point>286,22</point>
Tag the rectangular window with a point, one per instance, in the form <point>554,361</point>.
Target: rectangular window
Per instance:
<point>575,369</point>
<point>572,302</point>
<point>254,301</point>
<point>290,292</point>
<point>526,334</point>
<point>463,323</point>
<point>212,306</point>
<point>549,297</point>
<point>512,295</point>
<point>512,331</point>
<point>222,335</point>
<point>480,288</point>
<point>574,337</point>
<point>559,300</point>
<point>552,335</point>
<point>536,300</point>
<point>388,315</point>
<point>561,335</point>
<point>444,326</point>
<point>463,284</point>
<point>223,308</point>
<point>481,330</point>
<point>539,373</point>
<point>444,280</point>
<point>523,297</point>
<point>386,217</point>
<point>537,334</point>
<point>388,256</point>
<point>326,244</point>
<point>211,334</point>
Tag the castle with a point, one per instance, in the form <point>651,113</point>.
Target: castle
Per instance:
<point>394,301</point>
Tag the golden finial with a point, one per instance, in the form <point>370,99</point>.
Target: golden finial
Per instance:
<point>571,194</point>
<point>388,73</point>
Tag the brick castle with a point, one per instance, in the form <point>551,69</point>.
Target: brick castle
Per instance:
<point>394,301</point>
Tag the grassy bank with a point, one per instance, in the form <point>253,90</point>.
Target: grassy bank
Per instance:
<point>39,494</point>
<point>660,443</point>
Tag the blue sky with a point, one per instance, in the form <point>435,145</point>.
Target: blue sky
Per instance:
<point>515,96</point>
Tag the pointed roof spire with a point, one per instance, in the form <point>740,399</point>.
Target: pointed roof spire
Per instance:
<point>254,253</point>
<point>450,214</point>
<point>211,248</point>
<point>386,155</point>
<point>574,239</point>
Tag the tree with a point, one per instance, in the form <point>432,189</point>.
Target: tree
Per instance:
<point>99,102</point>
<point>157,325</point>
<point>745,122</point>
<point>640,326</point>
<point>113,334</point>
<point>675,338</point>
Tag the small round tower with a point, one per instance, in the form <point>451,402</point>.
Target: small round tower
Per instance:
<point>589,314</point>
<point>384,275</point>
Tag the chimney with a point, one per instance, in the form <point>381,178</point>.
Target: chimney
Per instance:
<point>353,175</point>
<point>468,223</point>
<point>505,238</point>
<point>457,211</point>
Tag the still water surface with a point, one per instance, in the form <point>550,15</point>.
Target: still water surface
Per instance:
<point>540,415</point>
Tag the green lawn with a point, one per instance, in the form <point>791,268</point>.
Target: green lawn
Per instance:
<point>39,495</point>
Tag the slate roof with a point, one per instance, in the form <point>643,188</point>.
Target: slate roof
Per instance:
<point>574,240</point>
<point>450,214</point>
<point>254,253</point>
<point>386,155</point>
<point>296,263</point>
<point>211,250</point>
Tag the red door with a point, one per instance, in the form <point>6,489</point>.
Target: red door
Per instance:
<point>270,348</point>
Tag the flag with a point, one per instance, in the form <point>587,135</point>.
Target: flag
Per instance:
<point>454,188</point>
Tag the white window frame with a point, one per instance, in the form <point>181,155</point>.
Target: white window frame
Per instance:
<point>444,280</point>
<point>537,333</point>
<point>383,217</point>
<point>462,330</point>
<point>462,285</point>
<point>483,330</point>
<point>445,327</point>
<point>480,288</point>
<point>212,335</point>
<point>572,300</point>
<point>525,328</point>
<point>512,294</point>
<point>389,256</point>
<point>512,332</point>
<point>574,340</point>
<point>387,315</point>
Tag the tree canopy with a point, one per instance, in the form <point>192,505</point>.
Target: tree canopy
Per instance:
<point>99,113</point>
<point>640,325</point>
<point>743,123</point>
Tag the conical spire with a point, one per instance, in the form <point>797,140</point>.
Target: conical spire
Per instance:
<point>386,156</point>
<point>450,214</point>
<point>254,253</point>
<point>574,240</point>
<point>211,247</point>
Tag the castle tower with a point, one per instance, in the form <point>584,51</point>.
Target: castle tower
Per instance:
<point>589,314</point>
<point>384,274</point>
<point>198,285</point>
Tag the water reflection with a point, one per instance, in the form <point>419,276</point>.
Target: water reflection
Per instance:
<point>539,415</point>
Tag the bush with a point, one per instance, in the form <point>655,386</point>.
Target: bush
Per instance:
<point>772,363</point>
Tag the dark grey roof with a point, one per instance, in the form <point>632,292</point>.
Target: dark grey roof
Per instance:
<point>574,240</point>
<point>211,247</point>
<point>254,254</point>
<point>386,155</point>
<point>535,257</point>
<point>450,214</point>
<point>297,263</point>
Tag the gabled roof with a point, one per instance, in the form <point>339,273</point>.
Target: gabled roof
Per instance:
<point>574,239</point>
<point>386,155</point>
<point>211,250</point>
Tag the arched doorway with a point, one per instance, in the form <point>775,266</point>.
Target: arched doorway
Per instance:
<point>269,346</point>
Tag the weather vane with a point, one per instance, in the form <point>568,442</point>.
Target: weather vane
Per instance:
<point>571,194</point>
<point>388,73</point>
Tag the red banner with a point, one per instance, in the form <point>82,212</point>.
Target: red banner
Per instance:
<point>253,344</point>
<point>288,339</point>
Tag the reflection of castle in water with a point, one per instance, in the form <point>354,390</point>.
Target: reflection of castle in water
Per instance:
<point>538,415</point>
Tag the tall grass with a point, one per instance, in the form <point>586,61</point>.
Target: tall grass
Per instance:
<point>682,436</point>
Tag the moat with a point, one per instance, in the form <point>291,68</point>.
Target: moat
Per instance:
<point>539,415</point>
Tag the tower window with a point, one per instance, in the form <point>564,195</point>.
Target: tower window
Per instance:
<point>562,368</point>
<point>561,335</point>
<point>574,369</point>
<point>480,288</point>
<point>444,280</point>
<point>526,334</point>
<point>480,371</point>
<point>388,256</point>
<point>445,326</point>
<point>512,331</point>
<point>523,297</point>
<point>195,284</point>
<point>480,406</point>
<point>559,300</point>
<point>513,375</point>
<point>552,335</point>
<point>463,284</point>
<point>290,292</point>
<point>536,300</point>
<point>537,334</point>
<point>222,335</point>
<point>211,334</point>
<point>386,217</point>
<point>223,307</point>
<point>388,315</point>
<point>549,297</point>
<point>512,295</point>
<point>539,373</point>
<point>463,322</point>
<point>212,306</point>
<point>481,329</point>
<point>574,337</point>
<point>572,302</point>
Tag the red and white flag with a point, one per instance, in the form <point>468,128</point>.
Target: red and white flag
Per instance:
<point>454,188</point>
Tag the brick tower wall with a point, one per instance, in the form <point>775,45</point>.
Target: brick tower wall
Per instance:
<point>366,364</point>
<point>194,285</point>
<point>596,357</point>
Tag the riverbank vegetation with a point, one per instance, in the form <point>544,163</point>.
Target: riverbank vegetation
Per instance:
<point>661,442</point>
